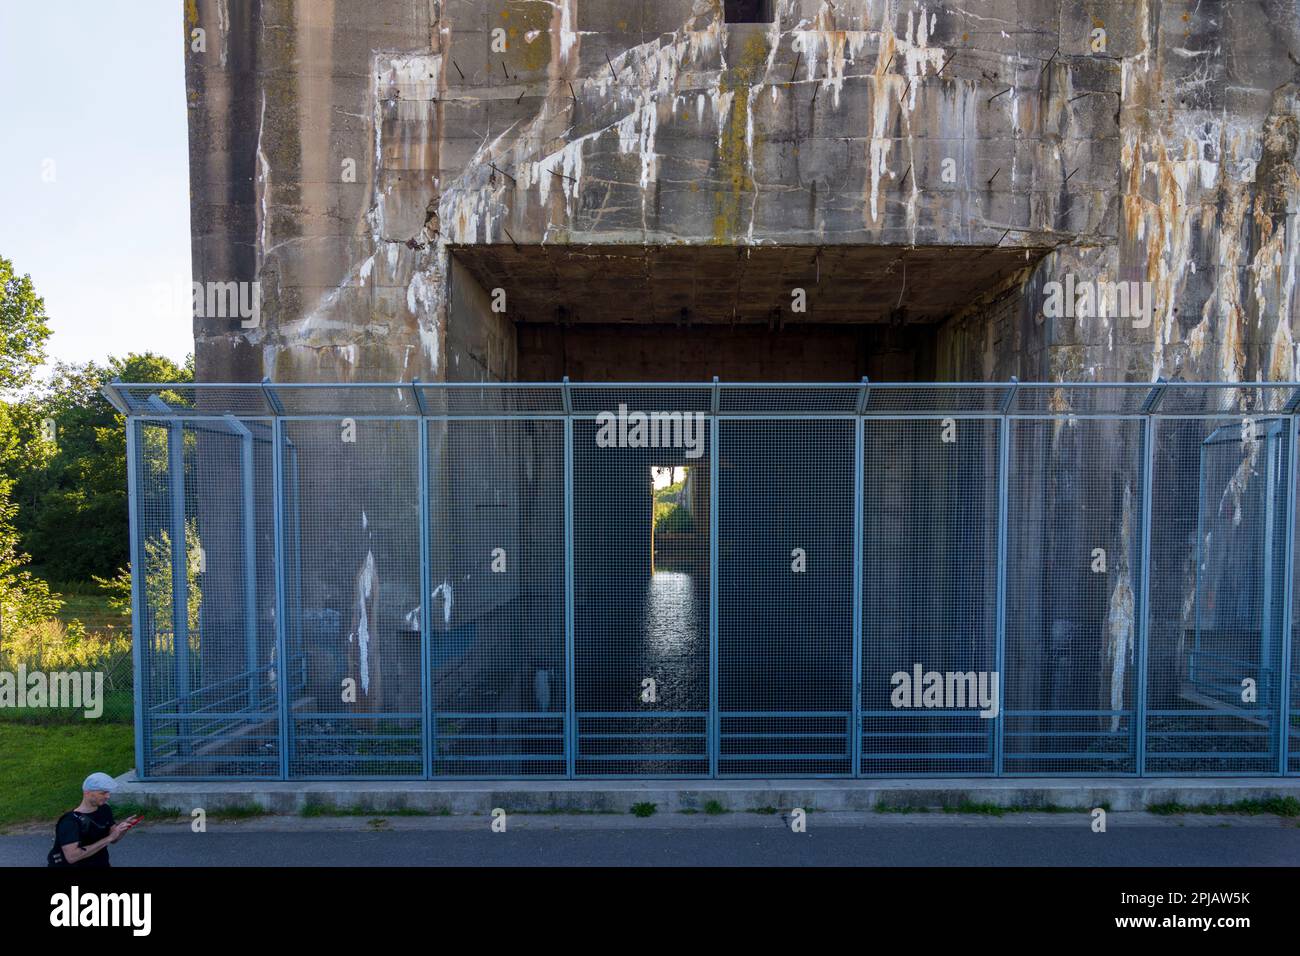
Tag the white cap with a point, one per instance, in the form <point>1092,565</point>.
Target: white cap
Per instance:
<point>99,781</point>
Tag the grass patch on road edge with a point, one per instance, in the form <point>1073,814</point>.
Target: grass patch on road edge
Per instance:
<point>1279,806</point>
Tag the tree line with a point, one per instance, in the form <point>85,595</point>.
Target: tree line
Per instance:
<point>63,504</point>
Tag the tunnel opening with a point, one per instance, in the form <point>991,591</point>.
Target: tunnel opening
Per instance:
<point>602,313</point>
<point>748,11</point>
<point>646,547</point>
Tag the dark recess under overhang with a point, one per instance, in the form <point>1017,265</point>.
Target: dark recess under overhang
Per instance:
<point>677,284</point>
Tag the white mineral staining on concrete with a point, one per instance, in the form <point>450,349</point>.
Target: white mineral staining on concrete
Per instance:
<point>263,186</point>
<point>648,76</point>
<point>561,170</point>
<point>1193,174</point>
<point>443,592</point>
<point>1166,228</point>
<point>422,298</point>
<point>411,77</point>
<point>828,51</point>
<point>223,28</point>
<point>1230,503</point>
<point>562,25</point>
<point>365,592</point>
<point>826,54</point>
<point>1120,613</point>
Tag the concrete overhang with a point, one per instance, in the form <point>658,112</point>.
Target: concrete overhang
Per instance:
<point>749,284</point>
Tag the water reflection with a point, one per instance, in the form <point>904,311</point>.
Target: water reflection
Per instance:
<point>658,631</point>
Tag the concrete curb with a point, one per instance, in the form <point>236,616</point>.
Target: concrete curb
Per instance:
<point>618,796</point>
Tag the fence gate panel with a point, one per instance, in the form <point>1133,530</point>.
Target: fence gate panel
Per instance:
<point>641,635</point>
<point>785,588</point>
<point>204,541</point>
<point>1218,584</point>
<point>356,525</point>
<point>497,597</point>
<point>1073,572</point>
<point>1290,608</point>
<point>929,585</point>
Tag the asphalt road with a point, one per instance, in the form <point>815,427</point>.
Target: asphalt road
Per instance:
<point>734,840</point>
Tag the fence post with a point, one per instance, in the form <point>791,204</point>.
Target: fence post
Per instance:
<point>1000,638</point>
<point>281,644</point>
<point>714,723</point>
<point>570,710</point>
<point>1288,586</point>
<point>428,713</point>
<point>855,679</point>
<point>248,538</point>
<point>137,599</point>
<point>1142,608</point>
<point>180,579</point>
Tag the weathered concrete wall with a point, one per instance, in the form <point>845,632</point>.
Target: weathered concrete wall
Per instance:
<point>1169,156</point>
<point>337,148</point>
<point>481,343</point>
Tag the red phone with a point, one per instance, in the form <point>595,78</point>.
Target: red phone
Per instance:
<point>132,821</point>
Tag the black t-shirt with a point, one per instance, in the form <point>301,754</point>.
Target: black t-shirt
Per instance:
<point>82,829</point>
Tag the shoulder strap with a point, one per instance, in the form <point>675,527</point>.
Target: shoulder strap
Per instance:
<point>83,822</point>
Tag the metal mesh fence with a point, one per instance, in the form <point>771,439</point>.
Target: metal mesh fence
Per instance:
<point>1073,502</point>
<point>512,580</point>
<point>497,657</point>
<point>785,597</point>
<point>361,711</point>
<point>641,654</point>
<point>930,595</point>
<point>208,697</point>
<point>1220,538</point>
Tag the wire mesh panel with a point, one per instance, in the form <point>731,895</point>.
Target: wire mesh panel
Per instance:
<point>1218,581</point>
<point>1293,670</point>
<point>1073,560</point>
<point>785,588</point>
<point>355,529</point>
<point>929,605</point>
<point>497,599</point>
<point>641,628</point>
<point>210,694</point>
<point>510,580</point>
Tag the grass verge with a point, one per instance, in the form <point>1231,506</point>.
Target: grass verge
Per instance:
<point>42,765</point>
<point>986,809</point>
<point>325,810</point>
<point>1279,806</point>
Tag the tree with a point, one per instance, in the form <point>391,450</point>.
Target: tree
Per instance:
<point>25,600</point>
<point>24,328</point>
<point>70,481</point>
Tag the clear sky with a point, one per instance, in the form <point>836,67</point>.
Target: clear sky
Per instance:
<point>94,188</point>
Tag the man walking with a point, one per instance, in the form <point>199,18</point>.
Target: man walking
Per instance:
<point>82,836</point>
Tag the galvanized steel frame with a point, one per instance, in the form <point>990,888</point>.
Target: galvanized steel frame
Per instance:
<point>1000,407</point>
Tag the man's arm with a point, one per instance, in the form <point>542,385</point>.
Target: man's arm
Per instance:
<point>74,853</point>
